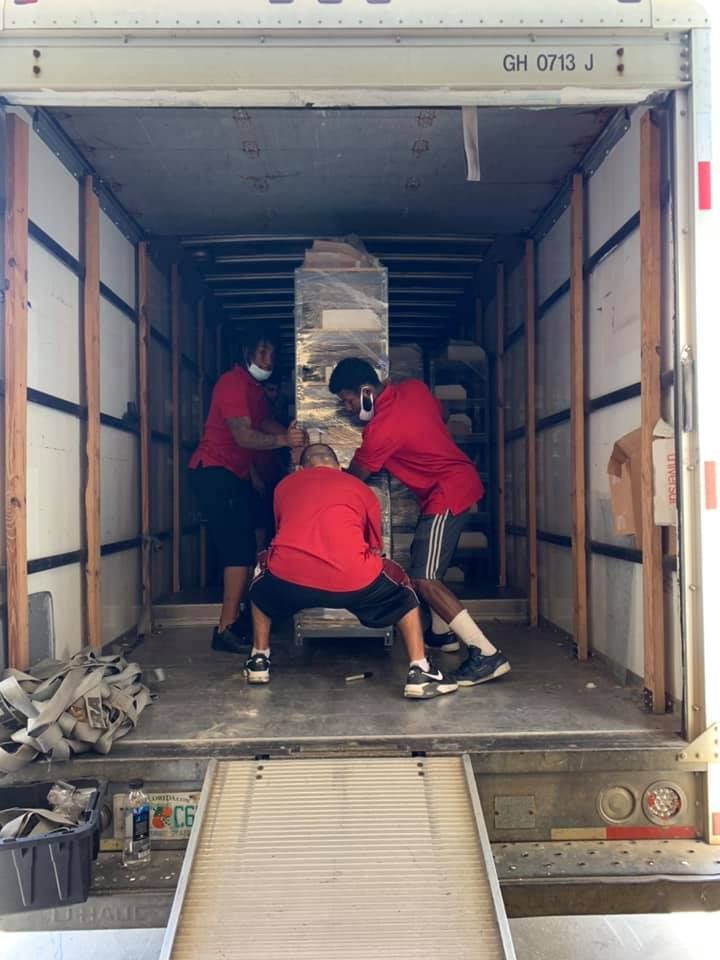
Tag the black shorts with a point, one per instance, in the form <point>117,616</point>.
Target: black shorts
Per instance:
<point>226,503</point>
<point>435,541</point>
<point>379,605</point>
<point>263,516</point>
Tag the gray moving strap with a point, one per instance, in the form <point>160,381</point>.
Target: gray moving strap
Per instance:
<point>62,709</point>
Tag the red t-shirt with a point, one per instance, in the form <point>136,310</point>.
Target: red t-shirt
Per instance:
<point>407,437</point>
<point>235,394</point>
<point>328,527</point>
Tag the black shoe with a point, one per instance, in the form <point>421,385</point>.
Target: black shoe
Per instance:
<point>479,669</point>
<point>242,627</point>
<point>227,642</point>
<point>425,684</point>
<point>446,642</point>
<point>257,668</point>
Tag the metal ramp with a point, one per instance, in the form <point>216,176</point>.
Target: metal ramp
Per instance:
<point>345,859</point>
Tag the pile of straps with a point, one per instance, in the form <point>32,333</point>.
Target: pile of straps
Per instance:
<point>62,709</point>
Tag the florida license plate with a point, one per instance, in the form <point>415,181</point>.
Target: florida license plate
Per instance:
<point>171,815</point>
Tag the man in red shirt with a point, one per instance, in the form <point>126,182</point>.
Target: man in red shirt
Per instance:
<point>404,433</point>
<point>327,553</point>
<point>237,424</point>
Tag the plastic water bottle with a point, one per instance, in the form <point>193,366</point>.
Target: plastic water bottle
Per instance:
<point>136,847</point>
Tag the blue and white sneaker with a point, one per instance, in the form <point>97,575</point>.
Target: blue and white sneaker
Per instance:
<point>445,642</point>
<point>478,668</point>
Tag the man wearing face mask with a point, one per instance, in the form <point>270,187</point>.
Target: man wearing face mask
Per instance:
<point>238,423</point>
<point>404,433</point>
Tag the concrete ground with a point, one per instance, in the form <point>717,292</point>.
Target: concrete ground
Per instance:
<point>672,937</point>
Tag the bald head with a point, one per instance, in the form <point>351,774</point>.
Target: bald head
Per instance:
<point>319,455</point>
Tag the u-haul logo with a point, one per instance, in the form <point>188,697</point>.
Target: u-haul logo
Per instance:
<point>671,479</point>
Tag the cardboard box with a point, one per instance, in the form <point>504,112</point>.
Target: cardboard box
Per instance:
<point>624,479</point>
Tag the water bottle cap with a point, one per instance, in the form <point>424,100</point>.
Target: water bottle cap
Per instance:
<point>136,784</point>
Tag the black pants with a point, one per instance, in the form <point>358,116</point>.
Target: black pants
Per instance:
<point>226,502</point>
<point>381,604</point>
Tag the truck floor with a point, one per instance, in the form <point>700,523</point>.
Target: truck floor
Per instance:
<point>549,699</point>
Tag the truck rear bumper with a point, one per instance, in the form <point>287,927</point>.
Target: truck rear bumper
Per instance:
<point>583,878</point>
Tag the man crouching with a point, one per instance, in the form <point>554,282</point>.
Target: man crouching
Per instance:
<point>326,553</point>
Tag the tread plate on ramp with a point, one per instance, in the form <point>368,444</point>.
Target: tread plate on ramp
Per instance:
<point>341,858</point>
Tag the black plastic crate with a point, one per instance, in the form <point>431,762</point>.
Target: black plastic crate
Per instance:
<point>38,873</point>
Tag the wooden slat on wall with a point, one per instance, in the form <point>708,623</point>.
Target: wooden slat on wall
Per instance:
<point>143,341</point>
<point>15,274</point>
<point>175,298</point>
<point>91,389</point>
<point>650,401</point>
<point>577,416</point>
<point>530,418</point>
<point>500,420</point>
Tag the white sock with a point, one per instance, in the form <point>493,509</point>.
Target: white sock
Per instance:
<point>423,664</point>
<point>438,624</point>
<point>265,653</point>
<point>470,633</point>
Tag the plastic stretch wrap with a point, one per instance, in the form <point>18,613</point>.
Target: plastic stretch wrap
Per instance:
<point>339,313</point>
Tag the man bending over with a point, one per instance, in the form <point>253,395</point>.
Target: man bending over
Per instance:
<point>404,433</point>
<point>326,553</point>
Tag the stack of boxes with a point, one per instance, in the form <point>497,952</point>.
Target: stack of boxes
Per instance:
<point>341,310</point>
<point>460,381</point>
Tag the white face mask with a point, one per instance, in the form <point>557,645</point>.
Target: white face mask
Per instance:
<point>257,373</point>
<point>367,404</point>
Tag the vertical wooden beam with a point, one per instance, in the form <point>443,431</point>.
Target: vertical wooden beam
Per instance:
<point>577,416</point>
<point>500,419</point>
<point>200,320</point>
<point>143,343</point>
<point>530,456</point>
<point>15,271</point>
<point>91,383</point>
<point>650,352</point>
<point>175,295</point>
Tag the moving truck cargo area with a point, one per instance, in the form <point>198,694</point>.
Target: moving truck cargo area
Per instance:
<point>512,209</point>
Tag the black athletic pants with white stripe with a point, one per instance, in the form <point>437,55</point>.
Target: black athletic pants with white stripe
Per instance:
<point>435,541</point>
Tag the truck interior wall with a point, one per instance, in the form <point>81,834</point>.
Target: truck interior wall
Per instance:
<point>54,433</point>
<point>56,436</point>
<point>3,593</point>
<point>161,423</point>
<point>191,427</point>
<point>514,370</point>
<point>119,449</point>
<point>612,349</point>
<point>160,413</point>
<point>613,338</point>
<point>552,396</point>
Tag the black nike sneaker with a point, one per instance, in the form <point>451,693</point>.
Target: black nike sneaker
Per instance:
<point>257,668</point>
<point>425,684</point>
